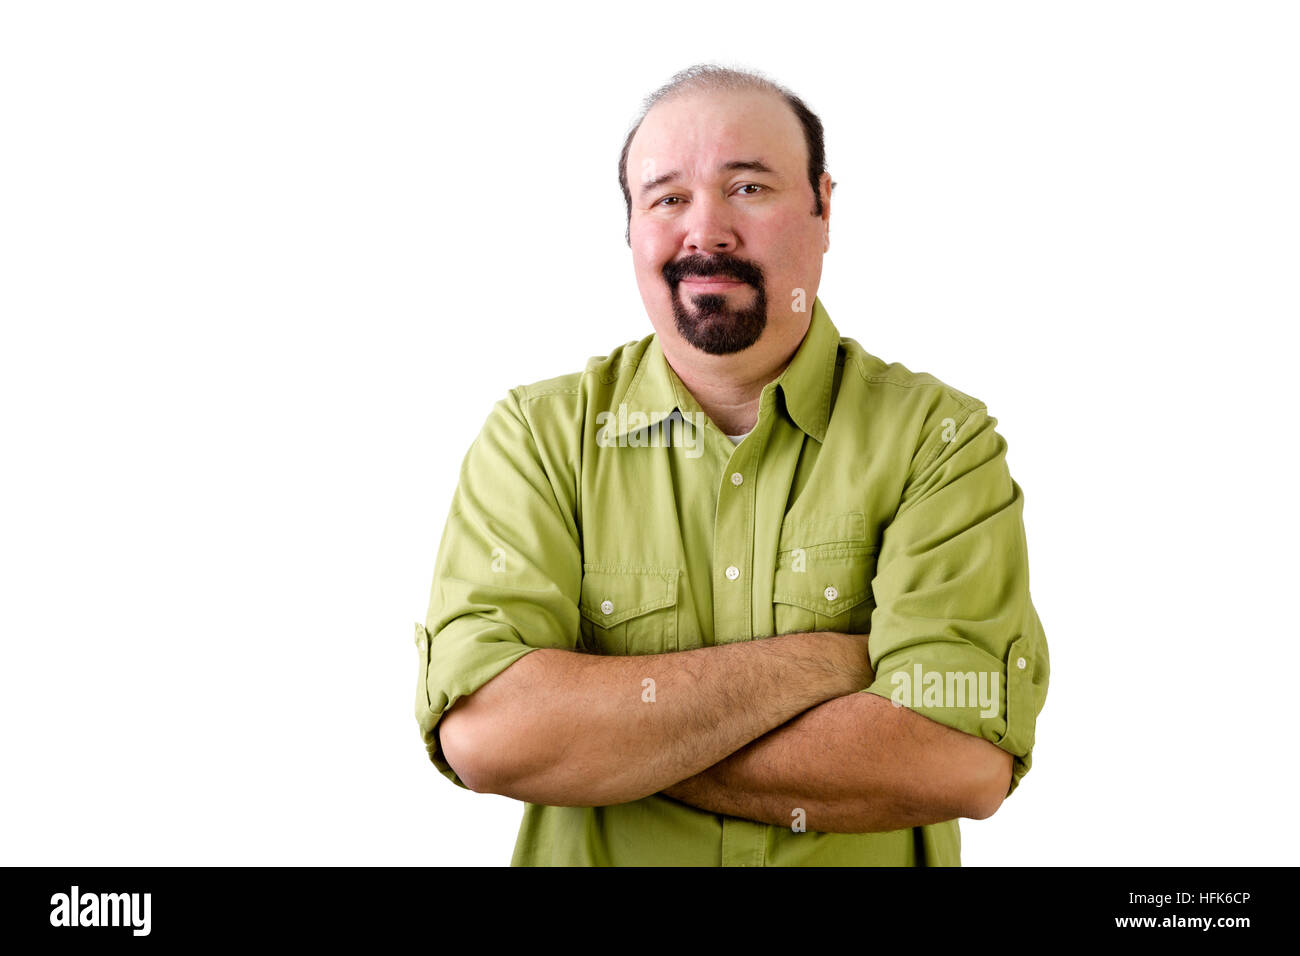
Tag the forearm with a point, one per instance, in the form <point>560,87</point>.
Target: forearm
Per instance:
<point>855,764</point>
<point>569,729</point>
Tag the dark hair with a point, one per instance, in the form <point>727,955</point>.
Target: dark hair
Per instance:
<point>708,76</point>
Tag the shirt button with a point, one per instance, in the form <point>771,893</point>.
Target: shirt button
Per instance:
<point>606,607</point>
<point>1020,662</point>
<point>733,572</point>
<point>737,478</point>
<point>831,593</point>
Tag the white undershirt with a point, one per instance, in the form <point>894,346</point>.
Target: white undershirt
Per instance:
<point>737,439</point>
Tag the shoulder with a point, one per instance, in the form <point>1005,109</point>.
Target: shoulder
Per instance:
<point>602,374</point>
<point>556,410</point>
<point>917,409</point>
<point>895,383</point>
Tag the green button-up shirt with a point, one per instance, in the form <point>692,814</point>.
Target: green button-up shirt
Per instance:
<point>604,512</point>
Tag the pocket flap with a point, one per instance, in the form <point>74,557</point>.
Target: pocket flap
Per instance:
<point>612,595</point>
<point>827,584</point>
<point>849,527</point>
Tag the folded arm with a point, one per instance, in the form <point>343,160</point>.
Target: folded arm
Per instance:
<point>855,764</point>
<point>563,728</point>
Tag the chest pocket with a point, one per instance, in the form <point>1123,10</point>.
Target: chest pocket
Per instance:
<point>823,576</point>
<point>628,610</point>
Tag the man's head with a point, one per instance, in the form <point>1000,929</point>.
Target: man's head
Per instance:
<point>728,207</point>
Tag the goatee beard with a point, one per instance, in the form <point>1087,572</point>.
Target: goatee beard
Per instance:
<point>710,323</point>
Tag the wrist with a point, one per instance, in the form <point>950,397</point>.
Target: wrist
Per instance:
<point>852,662</point>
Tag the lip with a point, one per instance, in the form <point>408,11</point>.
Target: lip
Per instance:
<point>711,282</point>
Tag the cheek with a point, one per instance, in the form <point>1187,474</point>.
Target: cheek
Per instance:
<point>789,247</point>
<point>649,278</point>
<point>651,250</point>
<point>784,267</point>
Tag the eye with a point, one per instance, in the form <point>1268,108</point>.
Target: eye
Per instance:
<point>666,198</point>
<point>751,186</point>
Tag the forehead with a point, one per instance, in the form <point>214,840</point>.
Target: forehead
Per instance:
<point>697,132</point>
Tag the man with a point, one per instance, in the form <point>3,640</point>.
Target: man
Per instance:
<point>739,593</point>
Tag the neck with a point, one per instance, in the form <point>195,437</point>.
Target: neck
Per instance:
<point>728,387</point>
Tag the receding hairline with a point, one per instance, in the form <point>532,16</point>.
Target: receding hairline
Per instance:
<point>710,78</point>
<point>692,82</point>
<point>715,82</point>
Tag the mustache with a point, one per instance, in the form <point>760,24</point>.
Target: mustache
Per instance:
<point>704,267</point>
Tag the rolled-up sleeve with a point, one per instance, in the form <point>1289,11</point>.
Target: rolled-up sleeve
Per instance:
<point>954,635</point>
<point>507,576</point>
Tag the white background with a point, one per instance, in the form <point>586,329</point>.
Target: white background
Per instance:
<point>265,267</point>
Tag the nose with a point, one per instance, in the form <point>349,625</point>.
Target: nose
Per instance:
<point>709,227</point>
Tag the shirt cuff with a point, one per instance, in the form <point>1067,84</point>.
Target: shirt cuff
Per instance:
<point>464,655</point>
<point>968,689</point>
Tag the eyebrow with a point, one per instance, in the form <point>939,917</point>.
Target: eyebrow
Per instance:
<point>754,165</point>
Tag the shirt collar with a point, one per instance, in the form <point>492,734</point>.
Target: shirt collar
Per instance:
<point>652,393</point>
<point>656,392</point>
<point>808,380</point>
